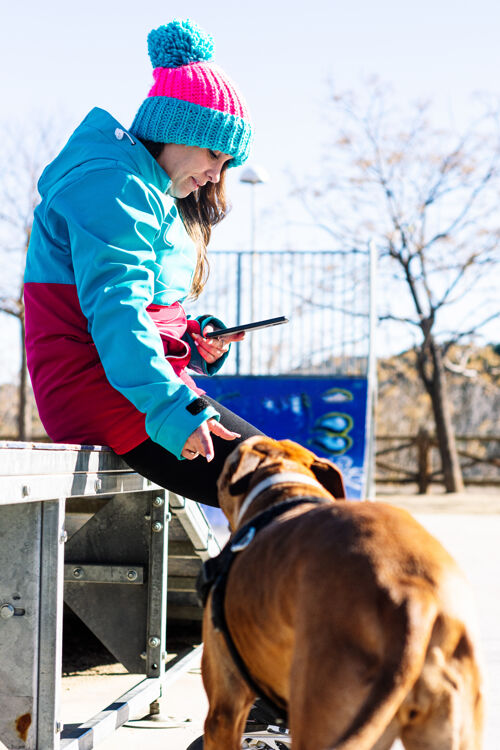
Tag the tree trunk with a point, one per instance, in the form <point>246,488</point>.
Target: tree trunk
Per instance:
<point>23,420</point>
<point>434,379</point>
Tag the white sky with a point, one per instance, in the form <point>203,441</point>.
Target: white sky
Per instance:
<point>59,58</point>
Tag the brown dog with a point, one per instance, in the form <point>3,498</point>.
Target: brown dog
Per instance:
<point>350,613</point>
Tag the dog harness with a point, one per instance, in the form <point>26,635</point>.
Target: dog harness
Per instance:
<point>214,573</point>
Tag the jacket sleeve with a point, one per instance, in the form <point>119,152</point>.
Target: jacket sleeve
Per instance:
<point>112,219</point>
<point>197,363</point>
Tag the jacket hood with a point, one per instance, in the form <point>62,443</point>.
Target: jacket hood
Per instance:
<point>101,142</point>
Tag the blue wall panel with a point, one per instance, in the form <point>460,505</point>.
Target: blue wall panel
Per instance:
<point>325,414</point>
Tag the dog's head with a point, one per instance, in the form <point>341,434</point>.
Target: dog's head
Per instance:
<point>258,457</point>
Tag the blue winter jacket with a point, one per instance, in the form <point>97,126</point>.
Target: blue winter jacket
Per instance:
<point>108,246</point>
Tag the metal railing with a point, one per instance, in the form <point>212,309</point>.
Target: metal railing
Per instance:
<point>325,294</point>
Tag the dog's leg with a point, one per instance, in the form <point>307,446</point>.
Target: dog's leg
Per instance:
<point>229,697</point>
<point>326,693</point>
<point>444,709</point>
<point>345,695</point>
<point>326,708</point>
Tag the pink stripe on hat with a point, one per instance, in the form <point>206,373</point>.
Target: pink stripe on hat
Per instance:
<point>200,83</point>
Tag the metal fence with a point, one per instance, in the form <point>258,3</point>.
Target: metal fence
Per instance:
<point>325,294</point>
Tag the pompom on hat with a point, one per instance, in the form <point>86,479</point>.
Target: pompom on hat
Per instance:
<point>192,100</point>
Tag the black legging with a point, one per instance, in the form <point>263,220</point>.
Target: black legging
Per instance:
<point>196,479</point>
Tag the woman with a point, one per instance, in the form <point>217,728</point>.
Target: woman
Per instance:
<point>118,242</point>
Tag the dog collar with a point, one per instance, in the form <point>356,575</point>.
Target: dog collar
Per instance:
<point>284,478</point>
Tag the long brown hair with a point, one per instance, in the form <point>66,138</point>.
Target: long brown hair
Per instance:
<point>200,211</point>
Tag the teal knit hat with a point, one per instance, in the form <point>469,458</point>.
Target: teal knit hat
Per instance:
<point>192,100</point>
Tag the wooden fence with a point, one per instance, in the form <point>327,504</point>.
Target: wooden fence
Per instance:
<point>409,459</point>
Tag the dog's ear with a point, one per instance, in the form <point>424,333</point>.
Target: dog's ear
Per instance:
<point>329,476</point>
<point>242,474</point>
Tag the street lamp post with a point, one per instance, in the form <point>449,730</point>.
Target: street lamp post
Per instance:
<point>253,175</point>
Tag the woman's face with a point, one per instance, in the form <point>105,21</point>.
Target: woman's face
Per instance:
<point>190,167</point>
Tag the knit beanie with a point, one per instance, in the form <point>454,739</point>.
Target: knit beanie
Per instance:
<point>192,100</point>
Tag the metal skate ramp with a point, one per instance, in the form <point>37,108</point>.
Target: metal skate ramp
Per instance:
<point>77,524</point>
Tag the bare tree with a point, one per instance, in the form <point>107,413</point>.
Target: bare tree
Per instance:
<point>429,200</point>
<point>24,154</point>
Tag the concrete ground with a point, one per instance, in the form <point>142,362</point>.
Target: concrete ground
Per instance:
<point>469,527</point>
<point>183,709</point>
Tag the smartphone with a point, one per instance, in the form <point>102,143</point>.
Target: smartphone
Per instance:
<point>247,327</point>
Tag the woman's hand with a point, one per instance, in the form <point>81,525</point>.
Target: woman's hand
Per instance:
<point>213,349</point>
<point>199,443</point>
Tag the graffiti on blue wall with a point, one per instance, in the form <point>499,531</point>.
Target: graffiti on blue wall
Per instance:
<point>325,414</point>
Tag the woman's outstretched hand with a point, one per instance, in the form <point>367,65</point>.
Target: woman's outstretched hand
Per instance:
<point>199,443</point>
<point>213,349</point>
